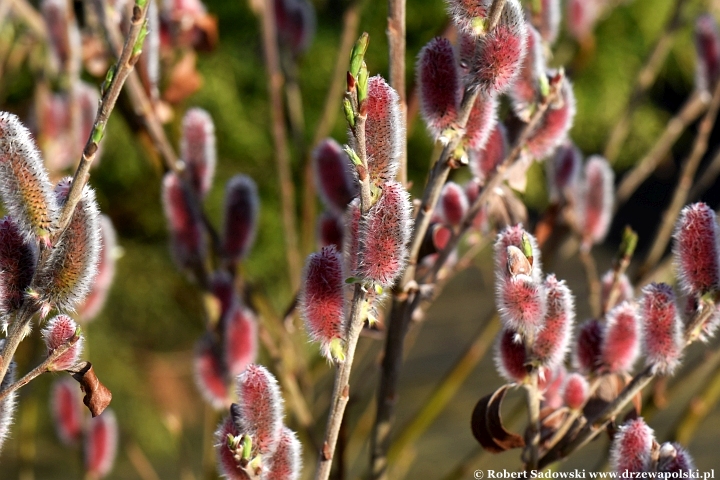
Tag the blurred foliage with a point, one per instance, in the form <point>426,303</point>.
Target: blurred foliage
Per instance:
<point>142,342</point>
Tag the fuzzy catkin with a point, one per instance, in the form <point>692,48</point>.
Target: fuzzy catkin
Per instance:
<point>260,407</point>
<point>197,149</point>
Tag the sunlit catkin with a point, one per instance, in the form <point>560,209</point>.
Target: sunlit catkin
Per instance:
<point>696,252</point>
<point>24,184</point>
<point>384,131</point>
<point>101,442</point>
<point>66,406</point>
<point>526,89</point>
<point>334,176</point>
<point>631,447</point>
<point>187,237</point>
<point>552,342</point>
<point>58,331</point>
<point>662,328</point>
<point>707,46</point>
<point>553,127</point>
<point>596,198</point>
<point>286,462</point>
<point>439,85</point>
<point>197,149</point>
<point>621,340</point>
<point>65,279</point>
<point>240,217</point>
<point>260,408</point>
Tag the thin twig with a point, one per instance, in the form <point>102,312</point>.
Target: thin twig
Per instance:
<point>707,178</point>
<point>533,429</point>
<point>44,367</point>
<point>282,153</point>
<point>644,80</point>
<point>396,45</point>
<point>689,168</point>
<point>593,281</point>
<point>690,111</point>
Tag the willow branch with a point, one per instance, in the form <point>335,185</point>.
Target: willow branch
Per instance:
<point>687,174</point>
<point>396,45</point>
<point>282,153</point>
<point>644,80</point>
<point>690,111</point>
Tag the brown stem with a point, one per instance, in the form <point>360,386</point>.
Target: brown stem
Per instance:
<point>533,429</point>
<point>593,281</point>
<point>707,178</point>
<point>42,368</point>
<point>687,174</point>
<point>396,44</point>
<point>282,153</point>
<point>644,80</point>
<point>690,111</point>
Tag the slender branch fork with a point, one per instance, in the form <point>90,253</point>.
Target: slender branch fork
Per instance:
<point>120,71</point>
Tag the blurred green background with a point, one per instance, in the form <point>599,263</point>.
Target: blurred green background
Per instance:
<point>142,343</point>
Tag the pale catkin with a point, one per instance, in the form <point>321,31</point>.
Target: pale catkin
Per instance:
<point>65,279</point>
<point>25,188</point>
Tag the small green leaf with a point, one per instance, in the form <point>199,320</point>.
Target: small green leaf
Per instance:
<point>629,243</point>
<point>98,132</point>
<point>351,280</point>
<point>137,49</point>
<point>109,76</point>
<point>353,156</point>
<point>358,54</point>
<point>362,83</point>
<point>246,447</point>
<point>349,114</point>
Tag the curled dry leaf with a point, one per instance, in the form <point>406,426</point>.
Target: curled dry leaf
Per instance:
<point>97,396</point>
<point>487,427</point>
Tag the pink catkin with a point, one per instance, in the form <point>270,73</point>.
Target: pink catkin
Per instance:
<point>17,265</point>
<point>286,462</point>
<point>296,24</point>
<point>673,458</point>
<point>197,149</point>
<point>551,383</point>
<point>101,444</point>
<point>439,85</point>
<point>453,204</point>
<point>512,236</point>
<point>499,54</point>
<point>25,187</point>
<point>482,120</point>
<point>261,407</point>
<point>100,288</point>
<point>510,357</point>
<point>483,162</point>
<point>631,447</point>
<point>187,238</point>
<point>384,131</point>
<point>576,391</point>
<point>589,346</point>
<point>551,344</point>
<point>334,176</point>
<point>521,303</point>
<point>463,12</point>
<point>525,91</point>
<point>707,45</point>
<point>624,289</point>
<point>563,171</point>
<point>384,234</point>
<point>66,405</point>
<point>621,341</point>
<point>696,249</point>
<point>240,335</point>
<point>662,328</point>
<point>554,126</point>
<point>240,217</point>
<point>596,200</point>
<point>549,20</point>
<point>330,230</point>
<point>58,331</point>
<point>582,16</point>
<point>227,465</point>
<point>322,299</point>
<point>210,373</point>
<point>63,33</point>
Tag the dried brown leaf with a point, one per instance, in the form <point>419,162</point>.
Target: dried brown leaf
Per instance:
<point>487,427</point>
<point>97,396</point>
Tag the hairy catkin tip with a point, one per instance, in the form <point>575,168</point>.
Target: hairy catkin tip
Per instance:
<point>582,16</point>
<point>481,122</point>
<point>240,335</point>
<point>521,303</point>
<point>187,237</point>
<point>240,216</point>
<point>66,278</point>
<point>384,131</point>
<point>261,407</point>
<point>553,341</point>
<point>483,162</point>
<point>499,54</point>
<point>631,447</point>
<point>467,13</point>
<point>576,391</point>
<point>563,171</point>
<point>707,46</point>
<point>525,92</point>
<point>334,175</point>
<point>101,442</point>
<point>383,236</point>
<point>67,409</point>
<point>596,200</point>
<point>439,85</point>
<point>553,127</point>
<point>197,149</point>
<point>59,330</point>
<point>513,236</point>
<point>322,299</point>
<point>696,252</point>
<point>228,466</point>
<point>548,21</point>
<point>673,458</point>
<point>453,204</point>
<point>621,340</point>
<point>286,462</point>
<point>25,188</point>
<point>662,328</point>
<point>511,357</point>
